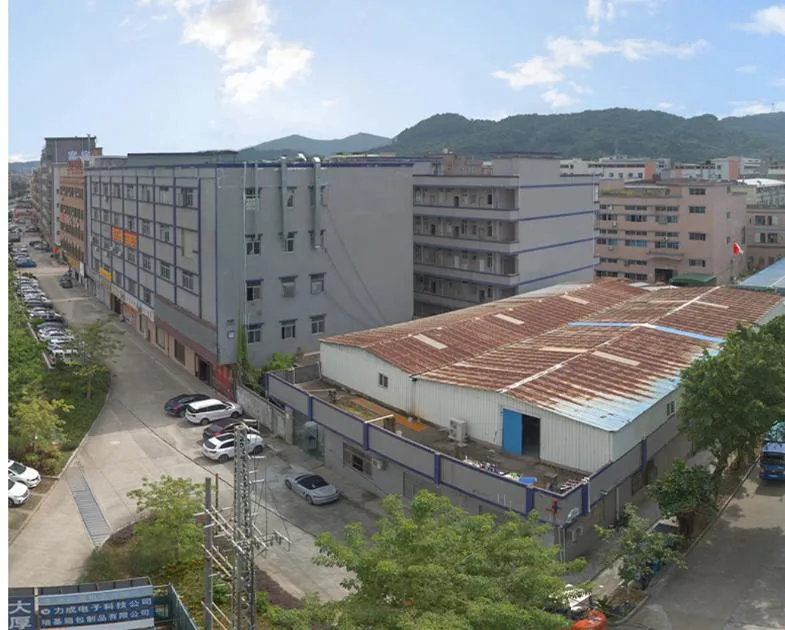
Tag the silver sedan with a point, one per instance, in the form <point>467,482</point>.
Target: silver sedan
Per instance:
<point>313,488</point>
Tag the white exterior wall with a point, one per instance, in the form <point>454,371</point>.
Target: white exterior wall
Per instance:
<point>643,426</point>
<point>563,442</point>
<point>359,370</point>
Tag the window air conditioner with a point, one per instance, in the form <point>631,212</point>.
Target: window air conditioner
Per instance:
<point>379,464</point>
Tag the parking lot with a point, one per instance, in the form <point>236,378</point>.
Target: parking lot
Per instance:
<point>132,438</point>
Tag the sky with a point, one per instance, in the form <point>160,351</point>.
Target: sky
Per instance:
<point>188,75</point>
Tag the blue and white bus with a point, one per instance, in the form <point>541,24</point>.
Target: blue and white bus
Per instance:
<point>772,453</point>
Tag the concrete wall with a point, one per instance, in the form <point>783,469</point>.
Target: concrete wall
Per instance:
<point>268,415</point>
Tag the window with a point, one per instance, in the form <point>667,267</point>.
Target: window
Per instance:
<point>116,190</point>
<point>489,199</point>
<point>130,256</point>
<point>160,337</point>
<point>117,219</point>
<point>636,243</point>
<point>164,233</point>
<point>164,194</point>
<point>607,216</point>
<point>187,197</point>
<point>289,329</point>
<point>670,408</point>
<point>130,191</point>
<point>130,286</point>
<point>179,351</point>
<point>697,191</point>
<point>317,283</point>
<point>356,460</point>
<point>165,271</point>
<point>288,242</point>
<point>697,262</point>
<point>636,218</point>
<point>253,244</point>
<point>253,193</point>
<point>188,280</point>
<point>253,290</point>
<point>697,209</point>
<point>288,286</point>
<point>147,296</point>
<point>314,244</point>
<point>317,324</point>
<point>254,333</point>
<point>146,193</point>
<point>130,224</point>
<point>384,381</point>
<point>697,236</point>
<point>290,197</point>
<point>147,262</point>
<point>145,227</point>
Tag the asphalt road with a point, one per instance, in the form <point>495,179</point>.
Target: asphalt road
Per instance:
<point>132,438</point>
<point>735,578</point>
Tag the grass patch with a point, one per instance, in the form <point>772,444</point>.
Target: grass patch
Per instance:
<point>63,383</point>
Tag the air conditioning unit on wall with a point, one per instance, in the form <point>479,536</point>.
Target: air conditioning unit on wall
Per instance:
<point>458,430</point>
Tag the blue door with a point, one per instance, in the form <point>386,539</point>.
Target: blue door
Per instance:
<point>512,432</point>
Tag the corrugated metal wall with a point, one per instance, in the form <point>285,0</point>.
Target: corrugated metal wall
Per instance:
<point>359,370</point>
<point>571,444</point>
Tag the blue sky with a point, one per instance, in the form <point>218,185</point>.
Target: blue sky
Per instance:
<point>182,75</point>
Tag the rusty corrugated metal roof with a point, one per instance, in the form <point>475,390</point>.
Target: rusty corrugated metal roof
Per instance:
<point>608,367</point>
<point>426,344</point>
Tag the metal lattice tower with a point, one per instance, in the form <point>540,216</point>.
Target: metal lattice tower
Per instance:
<point>243,583</point>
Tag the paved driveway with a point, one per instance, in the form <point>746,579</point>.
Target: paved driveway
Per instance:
<point>131,439</point>
<point>736,575</point>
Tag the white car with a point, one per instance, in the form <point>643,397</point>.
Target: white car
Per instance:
<point>221,448</point>
<point>18,493</point>
<point>17,471</point>
<point>206,412</point>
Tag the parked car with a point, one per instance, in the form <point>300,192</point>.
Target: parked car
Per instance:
<point>66,283</point>
<point>221,448</point>
<point>211,410</point>
<point>24,263</point>
<point>17,471</point>
<point>313,488</point>
<point>50,316</point>
<point>176,406</point>
<point>65,355</point>
<point>227,425</point>
<point>18,493</point>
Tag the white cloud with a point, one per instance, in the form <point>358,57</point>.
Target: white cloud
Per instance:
<point>557,99</point>
<point>21,157</point>
<point>329,102</point>
<point>598,11</point>
<point>255,58</point>
<point>133,30</point>
<point>565,53</point>
<point>778,82</point>
<point>747,69</point>
<point>668,106</point>
<point>750,108</point>
<point>769,21</point>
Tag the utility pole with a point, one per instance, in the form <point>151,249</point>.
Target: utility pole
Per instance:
<point>243,540</point>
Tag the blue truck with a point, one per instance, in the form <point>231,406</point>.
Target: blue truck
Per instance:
<point>772,453</point>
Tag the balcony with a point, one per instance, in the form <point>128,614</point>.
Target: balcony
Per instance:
<point>667,254</point>
<point>467,274</point>
<point>466,181</point>
<point>470,244</point>
<point>484,213</point>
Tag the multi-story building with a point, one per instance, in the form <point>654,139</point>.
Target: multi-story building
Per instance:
<point>192,248</point>
<point>610,168</point>
<point>71,211</point>
<point>655,231</point>
<point>57,152</point>
<point>490,230</point>
<point>720,169</point>
<point>765,231</point>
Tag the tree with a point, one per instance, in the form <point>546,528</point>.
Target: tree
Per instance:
<point>169,533</point>
<point>438,567</point>
<point>25,364</point>
<point>97,344</point>
<point>639,550</point>
<point>35,421</point>
<point>730,399</point>
<point>685,493</point>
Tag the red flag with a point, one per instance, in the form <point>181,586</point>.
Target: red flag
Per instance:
<point>737,249</point>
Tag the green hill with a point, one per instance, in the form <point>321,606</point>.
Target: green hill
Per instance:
<point>290,146</point>
<point>592,134</point>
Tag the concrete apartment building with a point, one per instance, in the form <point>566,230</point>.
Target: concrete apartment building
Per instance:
<point>189,248</point>
<point>610,168</point>
<point>557,400</point>
<point>45,183</point>
<point>656,231</point>
<point>72,217</point>
<point>765,231</point>
<point>489,230</point>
